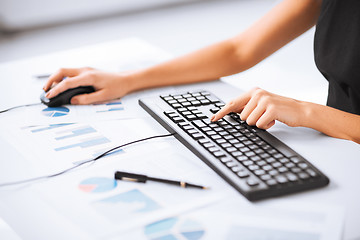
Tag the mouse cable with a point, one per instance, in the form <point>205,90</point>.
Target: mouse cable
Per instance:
<point>83,163</point>
<point>25,105</point>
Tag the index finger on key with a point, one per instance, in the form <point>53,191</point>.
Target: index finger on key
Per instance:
<point>235,105</point>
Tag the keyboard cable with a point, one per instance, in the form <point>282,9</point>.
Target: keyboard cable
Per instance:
<point>83,163</point>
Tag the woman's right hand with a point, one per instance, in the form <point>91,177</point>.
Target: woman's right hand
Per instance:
<point>107,85</point>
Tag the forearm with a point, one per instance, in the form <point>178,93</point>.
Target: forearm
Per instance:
<point>332,122</point>
<point>206,64</point>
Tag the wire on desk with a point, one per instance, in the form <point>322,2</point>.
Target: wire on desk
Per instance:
<point>82,163</point>
<point>25,105</point>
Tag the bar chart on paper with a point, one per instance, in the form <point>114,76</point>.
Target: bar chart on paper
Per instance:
<point>176,229</point>
<point>67,143</point>
<point>110,107</point>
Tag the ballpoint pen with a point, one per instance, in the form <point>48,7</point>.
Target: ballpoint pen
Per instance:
<point>143,178</point>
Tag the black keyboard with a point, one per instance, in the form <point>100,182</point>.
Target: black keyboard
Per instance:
<point>253,161</point>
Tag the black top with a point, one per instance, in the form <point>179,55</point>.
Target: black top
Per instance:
<point>337,52</point>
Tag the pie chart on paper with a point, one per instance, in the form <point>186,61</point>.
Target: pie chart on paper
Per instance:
<point>97,185</point>
<point>55,111</point>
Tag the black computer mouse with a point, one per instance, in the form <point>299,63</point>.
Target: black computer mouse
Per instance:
<point>65,97</point>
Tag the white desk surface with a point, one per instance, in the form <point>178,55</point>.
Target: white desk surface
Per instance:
<point>338,159</point>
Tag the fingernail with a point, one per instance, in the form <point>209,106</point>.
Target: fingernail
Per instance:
<point>48,94</point>
<point>212,118</point>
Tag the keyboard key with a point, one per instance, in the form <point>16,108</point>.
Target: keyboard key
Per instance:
<point>281,179</point>
<point>225,159</point>
<point>196,103</point>
<point>213,149</point>
<point>187,128</point>
<point>186,113</point>
<point>236,154</point>
<point>215,137</point>
<point>235,141</point>
<point>295,159</point>
<point>203,141</point>
<point>311,172</point>
<point>177,96</point>
<point>223,133</point>
<point>230,149</point>
<point>292,177</point>
<point>221,141</point>
<point>172,101</point>
<point>242,158</point>
<point>273,172</point>
<point>204,102</point>
<point>255,158</point>
<point>252,182</point>
<point>259,172</point>
<point>260,163</point>
<point>248,163</point>
<point>303,165</point>
<point>218,154</point>
<point>270,160</point>
<point>228,137</point>
<point>238,145</point>
<point>278,156</point>
<point>225,145</point>
<point>214,110</point>
<point>290,165</point>
<point>265,177</point>
<point>178,119</point>
<point>237,168</point>
<point>284,160</point>
<point>231,164</point>
<point>244,149</point>
<point>249,154</point>
<point>210,132</point>
<point>201,116</point>
<point>199,123</point>
<point>197,136</point>
<point>253,167</point>
<point>271,182</point>
<point>206,129</point>
<point>208,145</point>
<point>191,117</point>
<point>304,175</point>
<point>276,165</point>
<point>267,167</point>
<point>192,131</point>
<point>213,99</point>
<point>242,174</point>
<point>176,105</point>
<point>296,170</point>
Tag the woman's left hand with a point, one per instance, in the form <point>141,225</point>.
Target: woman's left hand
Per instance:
<point>261,108</point>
